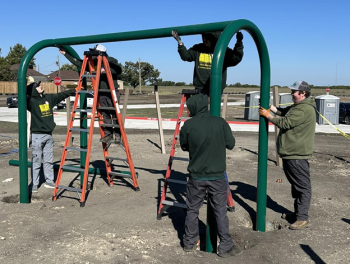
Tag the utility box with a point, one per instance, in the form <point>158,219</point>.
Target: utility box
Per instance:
<point>328,106</point>
<point>285,100</point>
<point>252,102</point>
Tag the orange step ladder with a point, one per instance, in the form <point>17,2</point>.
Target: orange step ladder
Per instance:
<point>95,74</point>
<point>163,203</point>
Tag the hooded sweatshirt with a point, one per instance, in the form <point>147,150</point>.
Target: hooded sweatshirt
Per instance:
<point>42,121</point>
<point>203,56</point>
<point>297,130</point>
<point>113,63</point>
<point>206,138</point>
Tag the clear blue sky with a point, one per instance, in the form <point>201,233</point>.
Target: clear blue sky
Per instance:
<point>307,40</point>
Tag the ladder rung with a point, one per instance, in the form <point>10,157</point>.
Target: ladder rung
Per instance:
<point>105,108</point>
<point>118,174</point>
<point>109,125</point>
<point>184,118</point>
<point>104,90</point>
<point>72,168</point>
<point>189,91</point>
<point>174,204</point>
<point>83,110</point>
<point>76,149</point>
<point>181,159</point>
<point>88,76</point>
<point>115,158</point>
<point>71,189</point>
<point>79,129</point>
<point>85,91</point>
<point>177,181</point>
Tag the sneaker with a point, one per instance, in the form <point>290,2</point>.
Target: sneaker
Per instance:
<point>35,188</point>
<point>234,251</point>
<point>289,216</point>
<point>117,138</point>
<point>107,138</point>
<point>299,225</point>
<point>49,185</point>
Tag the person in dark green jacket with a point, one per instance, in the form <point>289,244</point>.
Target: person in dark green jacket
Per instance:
<point>295,144</point>
<point>202,55</point>
<point>206,138</point>
<point>105,99</point>
<point>42,124</point>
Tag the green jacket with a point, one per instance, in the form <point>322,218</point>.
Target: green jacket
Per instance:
<point>113,64</point>
<point>206,138</point>
<point>297,130</point>
<point>40,107</point>
<point>202,56</point>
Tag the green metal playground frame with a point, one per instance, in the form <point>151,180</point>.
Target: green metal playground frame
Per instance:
<point>228,28</point>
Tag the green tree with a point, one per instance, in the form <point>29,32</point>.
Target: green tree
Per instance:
<point>180,84</point>
<point>68,67</point>
<point>16,54</point>
<point>5,71</point>
<point>130,74</point>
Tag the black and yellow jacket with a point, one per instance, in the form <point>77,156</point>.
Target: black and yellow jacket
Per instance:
<point>206,138</point>
<point>42,121</point>
<point>203,56</point>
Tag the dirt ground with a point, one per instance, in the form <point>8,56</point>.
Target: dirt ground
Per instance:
<point>119,225</point>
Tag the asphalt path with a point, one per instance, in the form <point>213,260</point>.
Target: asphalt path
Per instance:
<point>11,115</point>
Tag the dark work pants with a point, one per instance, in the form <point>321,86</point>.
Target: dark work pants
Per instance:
<point>217,191</point>
<point>107,101</point>
<point>298,174</point>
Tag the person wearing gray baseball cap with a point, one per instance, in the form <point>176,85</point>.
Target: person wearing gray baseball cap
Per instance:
<point>295,144</point>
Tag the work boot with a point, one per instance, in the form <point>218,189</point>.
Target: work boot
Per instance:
<point>234,251</point>
<point>299,225</point>
<point>190,248</point>
<point>107,138</point>
<point>289,217</point>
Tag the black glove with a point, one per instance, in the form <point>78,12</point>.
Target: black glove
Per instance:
<point>239,36</point>
<point>176,36</point>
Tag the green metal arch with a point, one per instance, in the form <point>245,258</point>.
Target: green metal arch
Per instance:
<point>228,28</point>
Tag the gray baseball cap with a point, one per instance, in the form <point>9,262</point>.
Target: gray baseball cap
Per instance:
<point>300,86</point>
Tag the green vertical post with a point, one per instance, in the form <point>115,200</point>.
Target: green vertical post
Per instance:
<point>22,116</point>
<point>215,107</point>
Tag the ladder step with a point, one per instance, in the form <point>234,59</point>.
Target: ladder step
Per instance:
<point>79,129</point>
<point>184,118</point>
<point>181,159</point>
<point>83,110</point>
<point>72,168</point>
<point>118,174</point>
<point>177,181</point>
<point>85,91</point>
<point>115,158</point>
<point>104,90</point>
<point>174,204</point>
<point>76,149</point>
<point>105,108</point>
<point>189,91</point>
<point>109,125</point>
<point>88,76</point>
<point>71,189</point>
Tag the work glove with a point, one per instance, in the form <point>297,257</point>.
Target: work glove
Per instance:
<point>264,112</point>
<point>176,36</point>
<point>239,36</point>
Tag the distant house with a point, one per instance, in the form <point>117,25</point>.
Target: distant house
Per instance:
<point>66,76</point>
<point>31,71</point>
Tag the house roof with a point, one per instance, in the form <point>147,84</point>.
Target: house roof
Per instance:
<point>65,75</point>
<point>30,72</point>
